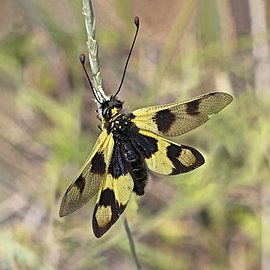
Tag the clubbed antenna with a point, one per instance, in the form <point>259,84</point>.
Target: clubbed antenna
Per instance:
<point>137,24</point>
<point>82,60</point>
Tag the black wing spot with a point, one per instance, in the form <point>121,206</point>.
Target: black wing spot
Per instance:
<point>98,164</point>
<point>164,120</point>
<point>107,199</point>
<point>174,152</point>
<point>80,183</point>
<point>193,107</point>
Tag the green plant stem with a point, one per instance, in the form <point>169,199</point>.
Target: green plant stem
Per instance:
<point>92,45</point>
<point>131,242</point>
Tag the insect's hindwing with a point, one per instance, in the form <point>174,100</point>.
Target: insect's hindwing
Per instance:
<point>89,178</point>
<point>178,118</point>
<point>111,202</point>
<point>170,158</point>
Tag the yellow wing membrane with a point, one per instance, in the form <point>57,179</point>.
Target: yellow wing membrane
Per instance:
<point>178,118</point>
<point>89,178</point>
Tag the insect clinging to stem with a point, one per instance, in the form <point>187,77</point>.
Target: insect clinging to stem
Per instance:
<point>132,143</point>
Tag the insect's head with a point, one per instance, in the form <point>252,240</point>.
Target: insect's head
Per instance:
<point>111,107</point>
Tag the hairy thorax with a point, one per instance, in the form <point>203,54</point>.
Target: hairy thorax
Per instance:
<point>119,124</point>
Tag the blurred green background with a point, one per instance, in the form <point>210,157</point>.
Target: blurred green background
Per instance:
<point>216,217</point>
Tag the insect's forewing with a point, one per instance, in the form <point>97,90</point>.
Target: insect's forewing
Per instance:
<point>166,157</point>
<point>178,118</point>
<point>88,180</point>
<point>111,202</point>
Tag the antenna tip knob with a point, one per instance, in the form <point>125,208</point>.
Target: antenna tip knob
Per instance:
<point>137,21</point>
<point>82,58</point>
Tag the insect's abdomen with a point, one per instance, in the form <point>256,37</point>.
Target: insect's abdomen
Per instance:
<point>136,166</point>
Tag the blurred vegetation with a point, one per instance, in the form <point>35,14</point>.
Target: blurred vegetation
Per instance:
<point>216,217</point>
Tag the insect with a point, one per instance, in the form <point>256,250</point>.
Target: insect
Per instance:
<point>132,143</point>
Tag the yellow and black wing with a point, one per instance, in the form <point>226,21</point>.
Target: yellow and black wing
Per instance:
<point>111,202</point>
<point>114,192</point>
<point>88,180</point>
<point>178,118</point>
<point>165,157</point>
<point>104,172</point>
